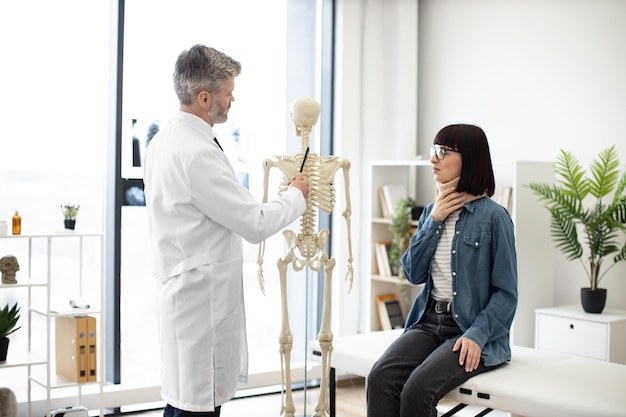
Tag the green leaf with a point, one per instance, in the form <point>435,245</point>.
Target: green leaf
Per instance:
<point>8,320</point>
<point>603,224</point>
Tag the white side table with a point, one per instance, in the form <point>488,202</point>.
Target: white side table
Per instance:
<point>569,329</point>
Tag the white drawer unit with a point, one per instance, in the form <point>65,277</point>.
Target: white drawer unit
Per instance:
<point>568,329</point>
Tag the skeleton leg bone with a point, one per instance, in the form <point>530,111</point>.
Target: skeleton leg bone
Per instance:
<point>325,338</point>
<point>285,340</point>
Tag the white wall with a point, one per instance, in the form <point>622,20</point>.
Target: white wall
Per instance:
<point>537,75</point>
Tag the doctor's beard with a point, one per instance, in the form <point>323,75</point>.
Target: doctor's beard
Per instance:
<point>218,114</point>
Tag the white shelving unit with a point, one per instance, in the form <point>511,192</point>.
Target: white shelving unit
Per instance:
<point>40,302</point>
<point>535,252</point>
<point>417,177</point>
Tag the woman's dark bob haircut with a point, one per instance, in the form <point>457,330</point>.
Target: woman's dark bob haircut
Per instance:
<point>476,171</point>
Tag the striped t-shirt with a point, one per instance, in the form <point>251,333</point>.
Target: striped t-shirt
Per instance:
<point>441,266</point>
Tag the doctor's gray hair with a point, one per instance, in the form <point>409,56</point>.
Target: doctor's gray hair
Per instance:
<point>202,69</point>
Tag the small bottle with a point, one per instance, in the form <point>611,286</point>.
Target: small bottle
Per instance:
<point>17,223</point>
<point>4,228</point>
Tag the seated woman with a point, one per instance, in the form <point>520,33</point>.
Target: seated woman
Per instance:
<point>464,253</point>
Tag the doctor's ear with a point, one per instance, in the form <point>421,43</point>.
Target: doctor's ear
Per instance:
<point>205,98</point>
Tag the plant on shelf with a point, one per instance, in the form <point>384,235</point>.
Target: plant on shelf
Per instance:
<point>8,322</point>
<point>69,215</point>
<point>603,223</point>
<point>401,229</point>
<point>70,211</point>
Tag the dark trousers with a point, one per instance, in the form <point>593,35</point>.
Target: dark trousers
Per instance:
<point>170,411</point>
<point>418,369</point>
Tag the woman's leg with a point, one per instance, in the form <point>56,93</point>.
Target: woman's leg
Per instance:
<point>435,377</point>
<point>418,369</point>
<point>389,373</point>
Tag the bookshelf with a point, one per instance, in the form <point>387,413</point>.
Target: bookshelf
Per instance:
<point>415,178</point>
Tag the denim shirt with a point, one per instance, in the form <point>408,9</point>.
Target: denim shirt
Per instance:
<point>484,274</point>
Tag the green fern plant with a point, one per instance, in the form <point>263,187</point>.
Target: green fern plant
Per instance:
<point>401,228</point>
<point>8,320</point>
<point>603,223</point>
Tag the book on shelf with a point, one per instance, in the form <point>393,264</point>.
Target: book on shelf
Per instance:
<point>383,204</point>
<point>393,268</point>
<point>507,198</point>
<point>389,196</point>
<point>382,258</point>
<point>389,312</point>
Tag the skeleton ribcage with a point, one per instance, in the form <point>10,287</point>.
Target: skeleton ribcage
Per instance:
<point>321,197</point>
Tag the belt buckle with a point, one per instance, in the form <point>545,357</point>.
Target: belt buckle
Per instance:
<point>439,304</point>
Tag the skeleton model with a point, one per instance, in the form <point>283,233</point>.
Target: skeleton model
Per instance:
<point>307,247</point>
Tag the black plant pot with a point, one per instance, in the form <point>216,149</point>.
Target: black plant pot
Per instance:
<point>4,348</point>
<point>593,301</point>
<point>416,212</point>
<point>69,224</point>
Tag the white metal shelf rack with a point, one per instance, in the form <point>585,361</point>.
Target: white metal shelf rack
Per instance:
<point>40,365</point>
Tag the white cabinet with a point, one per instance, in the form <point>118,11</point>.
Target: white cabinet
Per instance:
<point>54,268</point>
<point>535,248</point>
<point>569,329</point>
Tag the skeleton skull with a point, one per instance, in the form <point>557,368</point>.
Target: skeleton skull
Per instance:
<point>9,266</point>
<point>304,113</point>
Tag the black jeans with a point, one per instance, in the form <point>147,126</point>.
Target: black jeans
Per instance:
<point>418,369</point>
<point>170,411</point>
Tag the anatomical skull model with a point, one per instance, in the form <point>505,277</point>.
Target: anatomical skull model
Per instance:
<point>307,247</point>
<point>9,267</point>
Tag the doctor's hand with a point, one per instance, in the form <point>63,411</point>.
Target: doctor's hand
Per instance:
<point>301,184</point>
<point>448,201</point>
<point>470,353</point>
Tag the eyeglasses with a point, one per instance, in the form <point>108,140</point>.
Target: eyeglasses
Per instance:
<point>440,152</point>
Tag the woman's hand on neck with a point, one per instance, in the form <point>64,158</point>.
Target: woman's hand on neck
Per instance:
<point>448,200</point>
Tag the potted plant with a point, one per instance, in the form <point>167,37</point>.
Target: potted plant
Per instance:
<point>602,222</point>
<point>401,229</point>
<point>69,215</point>
<point>8,323</point>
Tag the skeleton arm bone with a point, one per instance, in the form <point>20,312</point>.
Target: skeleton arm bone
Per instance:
<point>347,214</point>
<point>289,167</point>
<point>267,165</point>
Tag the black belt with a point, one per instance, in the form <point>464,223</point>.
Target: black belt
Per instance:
<point>441,307</point>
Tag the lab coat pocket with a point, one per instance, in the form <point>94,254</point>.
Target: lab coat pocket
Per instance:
<point>226,289</point>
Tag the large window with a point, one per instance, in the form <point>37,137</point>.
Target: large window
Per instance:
<point>279,46</point>
<point>54,95</point>
<point>58,84</point>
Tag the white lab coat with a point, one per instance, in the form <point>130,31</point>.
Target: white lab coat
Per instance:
<point>198,213</point>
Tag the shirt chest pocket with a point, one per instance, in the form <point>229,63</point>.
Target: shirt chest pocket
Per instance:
<point>476,252</point>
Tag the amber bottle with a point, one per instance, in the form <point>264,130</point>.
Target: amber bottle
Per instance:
<point>17,223</point>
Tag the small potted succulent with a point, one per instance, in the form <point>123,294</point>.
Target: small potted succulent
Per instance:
<point>69,215</point>
<point>8,325</point>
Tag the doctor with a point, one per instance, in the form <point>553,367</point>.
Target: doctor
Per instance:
<point>198,214</point>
